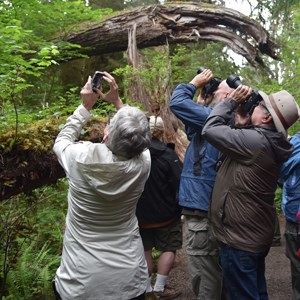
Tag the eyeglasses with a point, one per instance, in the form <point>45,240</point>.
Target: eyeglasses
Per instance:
<point>263,107</point>
<point>111,114</point>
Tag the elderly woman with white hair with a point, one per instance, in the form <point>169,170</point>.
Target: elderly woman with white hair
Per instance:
<point>103,255</point>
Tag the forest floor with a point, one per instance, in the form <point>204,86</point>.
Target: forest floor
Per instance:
<point>277,272</point>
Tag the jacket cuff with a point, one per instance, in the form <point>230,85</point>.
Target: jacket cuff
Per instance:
<point>231,103</point>
<point>192,87</point>
<point>82,113</point>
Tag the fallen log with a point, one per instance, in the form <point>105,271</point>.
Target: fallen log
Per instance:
<point>176,23</point>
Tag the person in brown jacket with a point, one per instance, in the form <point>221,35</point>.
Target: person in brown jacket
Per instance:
<point>242,211</point>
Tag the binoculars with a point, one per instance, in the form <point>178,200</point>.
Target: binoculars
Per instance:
<point>249,105</point>
<point>212,85</point>
<point>233,81</point>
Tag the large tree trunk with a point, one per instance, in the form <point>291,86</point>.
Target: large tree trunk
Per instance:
<point>177,23</point>
<point>154,102</point>
<point>22,171</point>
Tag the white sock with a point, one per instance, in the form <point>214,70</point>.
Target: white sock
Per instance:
<point>160,283</point>
<point>149,288</point>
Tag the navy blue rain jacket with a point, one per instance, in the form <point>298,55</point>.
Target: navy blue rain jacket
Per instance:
<point>195,190</point>
<point>290,177</point>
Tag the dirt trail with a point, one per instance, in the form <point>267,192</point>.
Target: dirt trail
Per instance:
<point>277,273</point>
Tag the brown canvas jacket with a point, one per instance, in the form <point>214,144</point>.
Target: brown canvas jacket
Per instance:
<point>242,212</point>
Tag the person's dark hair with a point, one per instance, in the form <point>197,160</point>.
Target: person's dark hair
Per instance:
<point>128,132</point>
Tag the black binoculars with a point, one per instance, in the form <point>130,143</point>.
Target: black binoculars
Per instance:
<point>212,85</point>
<point>233,81</point>
<point>249,105</point>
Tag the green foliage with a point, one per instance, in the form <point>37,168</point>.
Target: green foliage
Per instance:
<point>156,254</point>
<point>37,129</point>
<point>24,50</point>
<point>33,273</point>
<point>291,59</point>
<point>278,199</point>
<point>156,68</point>
<point>31,231</point>
<point>187,59</point>
<point>291,55</point>
<point>14,46</point>
<point>49,18</point>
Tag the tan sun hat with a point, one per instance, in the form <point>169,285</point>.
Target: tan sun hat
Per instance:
<point>156,122</point>
<point>283,109</point>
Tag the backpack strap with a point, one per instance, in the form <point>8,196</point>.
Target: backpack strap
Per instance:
<point>197,156</point>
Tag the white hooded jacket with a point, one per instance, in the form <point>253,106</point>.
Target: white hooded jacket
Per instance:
<point>103,256</point>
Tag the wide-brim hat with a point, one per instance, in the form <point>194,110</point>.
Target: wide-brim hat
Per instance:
<point>283,109</point>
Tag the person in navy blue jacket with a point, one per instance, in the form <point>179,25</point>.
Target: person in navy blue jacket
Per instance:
<point>290,178</point>
<point>196,183</point>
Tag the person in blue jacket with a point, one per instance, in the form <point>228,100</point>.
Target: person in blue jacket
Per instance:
<point>290,180</point>
<point>196,183</point>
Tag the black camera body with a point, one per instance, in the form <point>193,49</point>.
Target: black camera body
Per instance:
<point>212,85</point>
<point>97,80</point>
<point>234,81</point>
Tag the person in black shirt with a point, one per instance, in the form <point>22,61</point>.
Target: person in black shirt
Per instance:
<point>158,212</point>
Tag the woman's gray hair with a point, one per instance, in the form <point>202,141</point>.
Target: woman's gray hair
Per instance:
<point>128,132</point>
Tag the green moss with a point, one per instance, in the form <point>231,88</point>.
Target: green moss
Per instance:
<point>38,136</point>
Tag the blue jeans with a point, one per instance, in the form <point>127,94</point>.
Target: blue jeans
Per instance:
<point>244,273</point>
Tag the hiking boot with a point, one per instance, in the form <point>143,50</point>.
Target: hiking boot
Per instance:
<point>151,296</point>
<point>168,294</point>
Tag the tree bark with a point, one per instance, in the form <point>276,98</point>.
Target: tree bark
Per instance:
<point>177,23</point>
